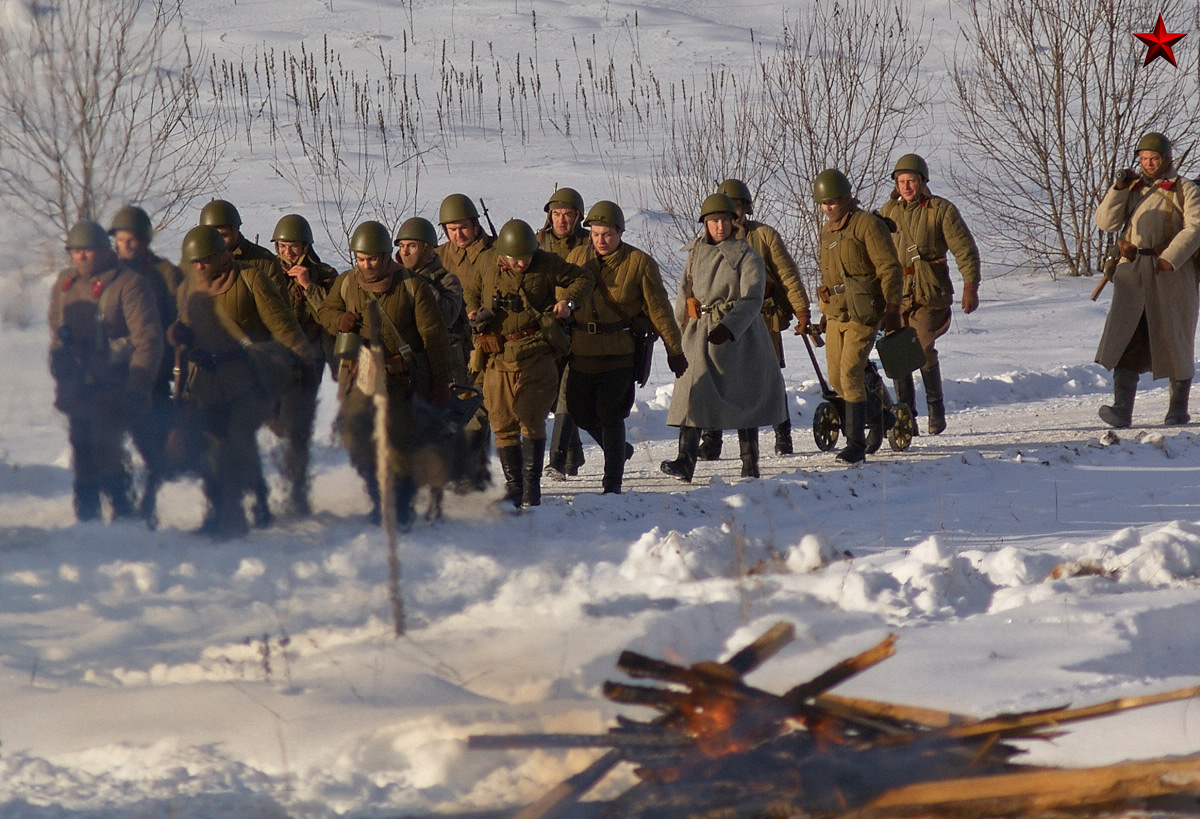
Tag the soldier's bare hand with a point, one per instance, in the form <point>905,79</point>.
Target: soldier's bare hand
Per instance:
<point>301,275</point>
<point>970,298</point>
<point>562,310</point>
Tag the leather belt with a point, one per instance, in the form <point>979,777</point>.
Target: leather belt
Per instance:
<point>596,327</point>
<point>520,334</point>
<point>1146,251</point>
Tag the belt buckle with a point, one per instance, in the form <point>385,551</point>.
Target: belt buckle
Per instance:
<point>592,328</point>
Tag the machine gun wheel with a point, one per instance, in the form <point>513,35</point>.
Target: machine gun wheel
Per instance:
<point>827,425</point>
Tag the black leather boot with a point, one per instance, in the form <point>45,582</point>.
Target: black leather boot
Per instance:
<point>119,489</point>
<point>511,463</point>
<point>748,449</point>
<point>1177,409</point>
<point>856,446</point>
<point>405,492</point>
<point>87,501</point>
<point>1120,413</point>
<point>934,399</point>
<point>533,454</point>
<point>613,443</point>
<point>710,445</point>
<point>556,464</point>
<point>574,458</point>
<point>783,438</point>
<point>684,467</point>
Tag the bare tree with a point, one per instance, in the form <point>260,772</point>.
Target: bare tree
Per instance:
<point>1052,97</point>
<point>99,104</point>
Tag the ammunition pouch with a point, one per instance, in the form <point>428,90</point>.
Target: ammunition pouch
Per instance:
<point>557,336</point>
<point>693,307</point>
<point>864,299</point>
<point>930,284</point>
<point>489,343</point>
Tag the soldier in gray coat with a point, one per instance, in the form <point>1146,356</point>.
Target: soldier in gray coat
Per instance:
<point>733,379</point>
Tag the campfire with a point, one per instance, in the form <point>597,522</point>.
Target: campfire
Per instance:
<point>720,747</point>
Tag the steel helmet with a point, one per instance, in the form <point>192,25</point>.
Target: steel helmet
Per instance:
<point>831,184</point>
<point>1154,141</point>
<point>455,208</point>
<point>717,203</point>
<point>565,197</point>
<point>219,212</point>
<point>201,242</point>
<point>607,213</point>
<point>911,163</point>
<point>417,229</point>
<point>87,234</point>
<point>736,189</point>
<point>516,239</point>
<point>372,238</point>
<point>293,228</point>
<point>133,219</point>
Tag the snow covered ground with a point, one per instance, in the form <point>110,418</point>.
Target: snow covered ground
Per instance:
<point>161,674</point>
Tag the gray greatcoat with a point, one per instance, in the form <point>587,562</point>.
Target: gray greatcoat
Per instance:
<point>1160,216</point>
<point>735,385</point>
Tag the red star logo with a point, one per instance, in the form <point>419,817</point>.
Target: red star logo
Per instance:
<point>1160,42</point>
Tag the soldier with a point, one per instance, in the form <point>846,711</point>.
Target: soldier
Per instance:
<point>785,296</point>
<point>106,342</point>
<point>859,292</point>
<point>562,234</point>
<point>132,231</point>
<point>924,227</point>
<point>732,379</point>
<point>628,298</point>
<point>1151,326</point>
<point>515,309</point>
<point>416,352</point>
<point>306,282</point>
<point>223,216</point>
<point>416,244</point>
<point>227,311</point>
<point>465,253</point>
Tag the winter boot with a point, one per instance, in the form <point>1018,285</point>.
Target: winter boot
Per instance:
<point>684,467</point>
<point>119,489</point>
<point>1177,409</point>
<point>710,445</point>
<point>574,458</point>
<point>533,453</point>
<point>405,492</point>
<point>748,449</point>
<point>556,466</point>
<point>906,393</point>
<point>295,474</point>
<point>783,438</point>
<point>87,501</point>
<point>934,400</point>
<point>262,507</point>
<point>613,444</point>
<point>1120,414</point>
<point>148,508</point>
<point>375,516</point>
<point>856,447</point>
<point>510,465</point>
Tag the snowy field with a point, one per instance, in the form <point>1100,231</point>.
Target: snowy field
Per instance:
<point>148,674</point>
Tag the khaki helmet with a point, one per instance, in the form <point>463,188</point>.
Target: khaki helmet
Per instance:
<point>455,208</point>
<point>372,238</point>
<point>417,229</point>
<point>220,212</point>
<point>516,239</point>
<point>737,189</point>
<point>565,198</point>
<point>1154,141</point>
<point>607,213</point>
<point>133,219</point>
<point>201,242</point>
<point>717,203</point>
<point>911,163</point>
<point>87,235</point>
<point>831,184</point>
<point>293,228</point>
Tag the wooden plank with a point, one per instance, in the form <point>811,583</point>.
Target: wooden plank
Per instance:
<point>848,707</point>
<point>843,671</point>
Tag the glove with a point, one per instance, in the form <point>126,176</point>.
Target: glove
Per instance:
<point>1122,178</point>
<point>822,325</point>
<point>1161,265</point>
<point>970,297</point>
<point>803,319</point>
<point>678,364</point>
<point>349,322</point>
<point>482,318</point>
<point>180,335</point>
<point>719,335</point>
<point>891,318</point>
<point>439,394</point>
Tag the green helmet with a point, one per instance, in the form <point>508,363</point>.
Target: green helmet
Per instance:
<point>417,229</point>
<point>293,228</point>
<point>911,163</point>
<point>201,242</point>
<point>219,212</point>
<point>565,198</point>
<point>717,203</point>
<point>607,213</point>
<point>736,189</point>
<point>1154,141</point>
<point>372,238</point>
<point>133,219</point>
<point>831,184</point>
<point>88,235</point>
<point>516,239</point>
<point>455,208</point>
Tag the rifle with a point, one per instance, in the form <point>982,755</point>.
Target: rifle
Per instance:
<point>486,215</point>
<point>1111,257</point>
